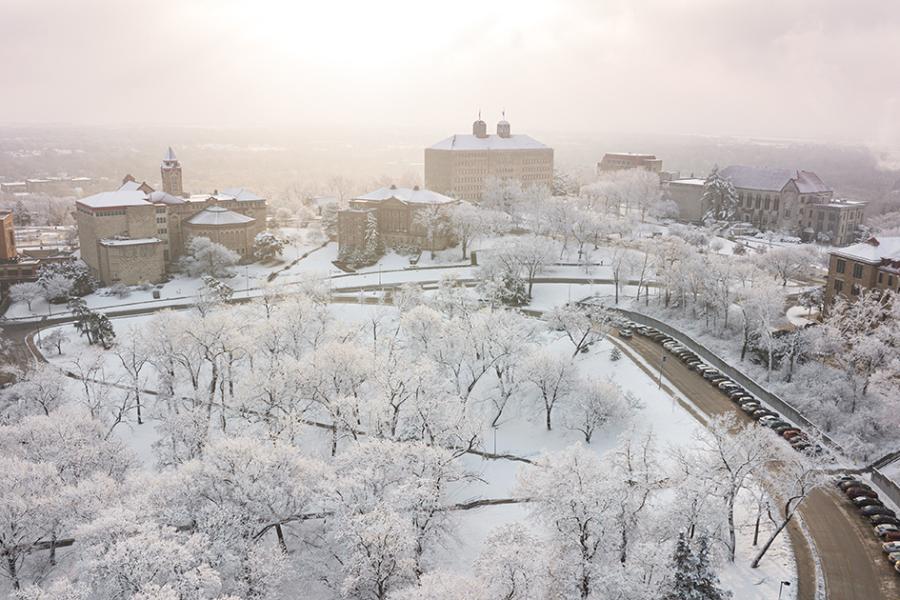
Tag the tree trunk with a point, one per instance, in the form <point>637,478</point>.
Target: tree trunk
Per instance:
<point>281,543</point>
<point>548,409</point>
<point>11,570</point>
<point>765,548</point>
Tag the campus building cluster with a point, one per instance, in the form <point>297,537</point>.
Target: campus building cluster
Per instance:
<point>134,234</point>
<point>873,264</point>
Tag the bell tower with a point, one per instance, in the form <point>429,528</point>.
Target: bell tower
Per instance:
<point>170,169</point>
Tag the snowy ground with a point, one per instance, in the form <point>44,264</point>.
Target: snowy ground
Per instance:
<point>520,433</point>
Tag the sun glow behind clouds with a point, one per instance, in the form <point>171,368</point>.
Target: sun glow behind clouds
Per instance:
<point>388,35</point>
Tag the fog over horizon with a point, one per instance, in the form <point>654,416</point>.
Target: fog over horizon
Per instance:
<point>800,69</point>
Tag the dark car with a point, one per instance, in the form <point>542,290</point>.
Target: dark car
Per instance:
<point>871,511</point>
<point>890,536</point>
<point>856,492</point>
<point>861,501</point>
<point>780,429</point>
<point>849,483</point>
<point>776,424</point>
<point>791,433</point>
<point>711,374</point>
<point>884,520</point>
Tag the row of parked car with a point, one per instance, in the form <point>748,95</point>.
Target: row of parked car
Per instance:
<point>745,400</point>
<point>884,520</point>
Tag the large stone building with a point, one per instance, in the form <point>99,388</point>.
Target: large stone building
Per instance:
<point>618,161</point>
<point>795,202</point>
<point>873,264</point>
<point>460,165</point>
<point>396,215</point>
<point>133,234</point>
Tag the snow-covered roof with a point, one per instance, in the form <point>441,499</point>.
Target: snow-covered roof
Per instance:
<point>129,241</point>
<point>170,155</point>
<point>872,251</point>
<point>239,194</point>
<point>115,199</point>
<point>159,197</point>
<point>414,195</point>
<point>688,181</point>
<point>130,186</point>
<point>217,215</point>
<point>773,180</point>
<point>491,142</point>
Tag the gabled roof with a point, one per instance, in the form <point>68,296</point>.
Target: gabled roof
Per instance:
<point>872,251</point>
<point>773,180</point>
<point>170,155</point>
<point>491,142</point>
<point>115,199</point>
<point>240,194</point>
<point>414,195</point>
<point>159,197</point>
<point>217,215</point>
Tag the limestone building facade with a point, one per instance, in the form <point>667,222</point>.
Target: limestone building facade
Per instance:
<point>460,165</point>
<point>135,233</point>
<point>396,215</point>
<point>873,264</point>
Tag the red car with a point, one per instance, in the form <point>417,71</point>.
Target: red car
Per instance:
<point>856,492</point>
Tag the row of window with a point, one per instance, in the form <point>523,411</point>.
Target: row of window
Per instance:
<point>841,266</point>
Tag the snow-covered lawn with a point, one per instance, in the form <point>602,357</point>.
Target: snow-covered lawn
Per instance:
<point>521,432</point>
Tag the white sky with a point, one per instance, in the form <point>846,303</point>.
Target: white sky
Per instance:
<point>825,69</point>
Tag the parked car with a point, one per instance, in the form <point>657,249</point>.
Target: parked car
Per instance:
<point>749,407</point>
<point>736,393</point>
<point>856,492</point>
<point>849,483</point>
<point>716,380</point>
<point>765,412</point>
<point>884,520</point>
<point>870,511</point>
<point>780,429</point>
<point>861,501</point>
<point>790,433</point>
<point>625,333</point>
<point>766,418</point>
<point>778,423</point>
<point>889,547</point>
<point>893,557</point>
<point>727,385</point>
<point>885,528</point>
<point>897,567</point>
<point>711,373</point>
<point>702,368</point>
<point>745,399</point>
<point>891,536</point>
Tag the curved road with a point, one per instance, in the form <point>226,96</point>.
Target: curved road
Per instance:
<point>851,559</point>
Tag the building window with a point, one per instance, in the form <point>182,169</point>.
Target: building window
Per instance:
<point>854,290</point>
<point>840,266</point>
<point>880,277</point>
<point>777,202</point>
<point>838,286</point>
<point>858,271</point>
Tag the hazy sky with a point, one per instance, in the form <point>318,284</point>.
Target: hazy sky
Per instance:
<point>827,69</point>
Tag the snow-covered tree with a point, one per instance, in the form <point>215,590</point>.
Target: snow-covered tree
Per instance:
<point>581,326</point>
<point>719,197</point>
<point>40,390</point>
<point>205,257</point>
<point>554,377</point>
<point>512,565</point>
<point>77,272</point>
<point>594,403</point>
<point>570,497</point>
<point>26,292</point>
<point>691,575</point>
<point>267,246</point>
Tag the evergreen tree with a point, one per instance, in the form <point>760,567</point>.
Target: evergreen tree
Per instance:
<point>719,196</point>
<point>692,577</point>
<point>374,247</point>
<point>267,246</point>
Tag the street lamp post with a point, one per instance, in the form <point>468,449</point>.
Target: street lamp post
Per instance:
<point>780,587</point>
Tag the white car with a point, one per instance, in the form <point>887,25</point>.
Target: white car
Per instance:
<point>889,547</point>
<point>885,528</point>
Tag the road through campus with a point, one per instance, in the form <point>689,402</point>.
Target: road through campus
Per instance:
<point>850,556</point>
